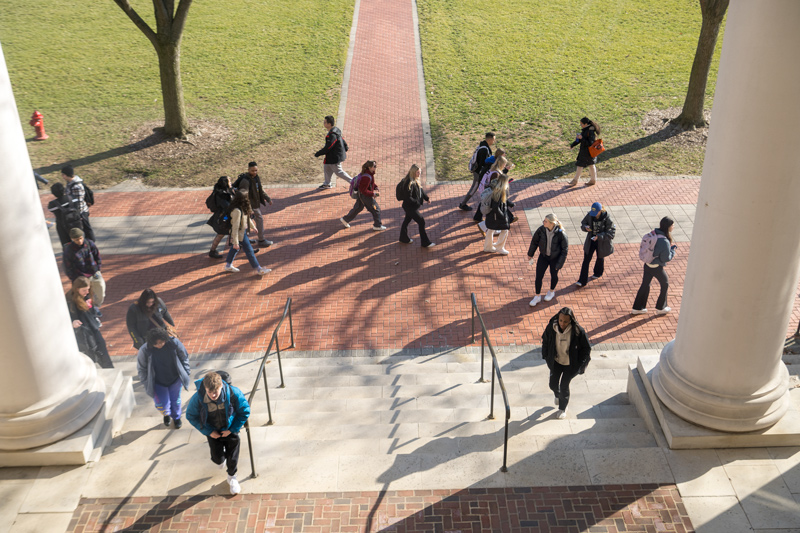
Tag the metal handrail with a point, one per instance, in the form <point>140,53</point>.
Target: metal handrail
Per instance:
<point>262,373</point>
<point>495,372</point>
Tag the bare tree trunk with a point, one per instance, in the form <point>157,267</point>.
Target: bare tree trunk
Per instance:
<point>169,66</point>
<point>692,114</point>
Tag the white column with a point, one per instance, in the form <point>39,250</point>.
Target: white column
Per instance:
<point>49,389</point>
<point>724,369</point>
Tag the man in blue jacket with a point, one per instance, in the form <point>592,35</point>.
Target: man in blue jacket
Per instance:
<point>218,411</point>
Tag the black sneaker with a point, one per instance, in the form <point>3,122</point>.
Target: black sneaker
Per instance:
<point>265,243</point>
<point>464,207</point>
<point>178,423</point>
<point>166,420</point>
<point>213,254</point>
<point>253,241</point>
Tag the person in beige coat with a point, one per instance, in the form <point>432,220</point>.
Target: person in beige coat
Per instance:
<point>240,211</point>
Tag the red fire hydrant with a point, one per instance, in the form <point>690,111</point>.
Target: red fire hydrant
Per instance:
<point>37,121</point>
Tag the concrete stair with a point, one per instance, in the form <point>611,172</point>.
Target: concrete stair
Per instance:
<point>369,423</point>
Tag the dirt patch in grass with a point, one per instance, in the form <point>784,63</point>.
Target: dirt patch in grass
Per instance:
<point>151,147</point>
<point>657,121</point>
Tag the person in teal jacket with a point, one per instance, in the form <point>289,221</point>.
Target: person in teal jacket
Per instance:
<point>219,411</point>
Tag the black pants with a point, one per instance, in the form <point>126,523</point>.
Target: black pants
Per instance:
<point>599,264</point>
<point>560,377</point>
<point>476,180</point>
<point>225,448</point>
<point>413,214</point>
<point>88,232</point>
<point>644,290</point>
<point>542,264</point>
<point>370,204</point>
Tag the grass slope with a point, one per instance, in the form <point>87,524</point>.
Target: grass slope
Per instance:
<point>530,69</point>
<point>267,72</point>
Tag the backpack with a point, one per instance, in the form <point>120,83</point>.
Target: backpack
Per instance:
<point>486,201</point>
<point>223,222</point>
<point>88,195</point>
<point>401,192</point>
<point>72,216</point>
<point>354,187</point>
<point>211,202</point>
<point>487,178</point>
<point>648,245</point>
<point>474,159</point>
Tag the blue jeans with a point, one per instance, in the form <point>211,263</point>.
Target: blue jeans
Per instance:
<point>248,251</point>
<point>168,399</point>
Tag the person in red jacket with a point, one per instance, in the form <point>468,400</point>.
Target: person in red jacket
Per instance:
<point>367,192</point>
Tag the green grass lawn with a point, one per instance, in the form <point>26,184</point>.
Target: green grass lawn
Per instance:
<point>265,72</point>
<point>530,69</point>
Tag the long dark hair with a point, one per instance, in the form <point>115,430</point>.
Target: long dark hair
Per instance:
<point>241,201</point>
<point>141,303</point>
<point>223,183</point>
<point>568,311</point>
<point>665,225</point>
<point>591,123</point>
<point>366,166</point>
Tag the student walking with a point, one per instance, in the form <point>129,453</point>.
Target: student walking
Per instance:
<point>82,259</point>
<point>221,197</point>
<point>552,243</point>
<point>335,152</point>
<point>77,190</point>
<point>251,183</point>
<point>67,211</point>
<point>600,231</point>
<point>491,171</point>
<point>657,249</point>
<point>219,411</point>
<point>566,350</point>
<point>476,164</point>
<point>410,191</point>
<point>163,367</point>
<point>241,209</point>
<point>147,313</point>
<point>499,217</point>
<point>589,132</point>
<point>85,323</point>
<point>365,197</point>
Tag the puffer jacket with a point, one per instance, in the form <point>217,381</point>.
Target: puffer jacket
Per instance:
<point>558,246</point>
<point>662,251</point>
<point>236,407</point>
<point>335,149</point>
<point>596,226</point>
<point>579,347</point>
<point>499,217</point>
<point>144,365</point>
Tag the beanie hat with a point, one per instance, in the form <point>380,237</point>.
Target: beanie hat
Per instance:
<point>74,233</point>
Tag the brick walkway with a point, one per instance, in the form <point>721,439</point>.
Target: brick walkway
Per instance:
<point>600,509</point>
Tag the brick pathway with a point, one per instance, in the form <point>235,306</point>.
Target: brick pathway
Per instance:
<point>600,509</point>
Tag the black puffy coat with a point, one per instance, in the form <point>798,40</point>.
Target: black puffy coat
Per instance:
<point>579,347</point>
<point>558,247</point>
<point>414,198</point>
<point>588,136</point>
<point>335,149</point>
<point>601,226</point>
<point>499,217</point>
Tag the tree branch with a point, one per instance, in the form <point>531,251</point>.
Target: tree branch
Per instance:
<point>138,21</point>
<point>180,19</point>
<point>163,19</point>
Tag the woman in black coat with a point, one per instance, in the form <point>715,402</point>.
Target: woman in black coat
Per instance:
<point>222,195</point>
<point>566,350</point>
<point>588,135</point>
<point>552,243</point>
<point>600,231</point>
<point>146,313</point>
<point>499,217</point>
<point>85,323</point>
<point>413,196</point>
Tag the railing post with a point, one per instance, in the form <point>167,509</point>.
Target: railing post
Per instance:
<point>483,350</point>
<point>473,322</point>
<point>291,327</point>
<point>266,390</point>
<point>505,450</point>
<point>250,446</point>
<point>280,367</point>
<point>491,398</point>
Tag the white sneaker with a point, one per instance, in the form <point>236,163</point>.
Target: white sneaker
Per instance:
<point>561,415</point>
<point>536,300</point>
<point>579,284</point>
<point>638,311</point>
<point>490,250</point>
<point>502,251</point>
<point>378,228</point>
<point>549,296</point>
<point>410,241</point>
<point>430,245</point>
<point>230,268</point>
<point>664,311</point>
<point>261,271</point>
<point>344,222</point>
<point>234,484</point>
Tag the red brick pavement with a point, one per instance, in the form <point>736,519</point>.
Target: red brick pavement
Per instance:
<point>357,289</point>
<point>600,509</point>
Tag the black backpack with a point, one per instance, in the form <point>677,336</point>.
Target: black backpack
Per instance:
<point>71,213</point>
<point>211,202</point>
<point>401,192</point>
<point>88,196</point>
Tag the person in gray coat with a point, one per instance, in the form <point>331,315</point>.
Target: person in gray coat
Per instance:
<point>163,366</point>
<point>663,252</point>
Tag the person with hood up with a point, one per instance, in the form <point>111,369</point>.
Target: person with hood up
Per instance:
<point>600,231</point>
<point>663,252</point>
<point>335,152</point>
<point>588,135</point>
<point>219,411</point>
<point>566,350</point>
<point>552,243</point>
<point>163,367</point>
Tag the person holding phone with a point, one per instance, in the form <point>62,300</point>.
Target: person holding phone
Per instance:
<point>599,228</point>
<point>663,252</point>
